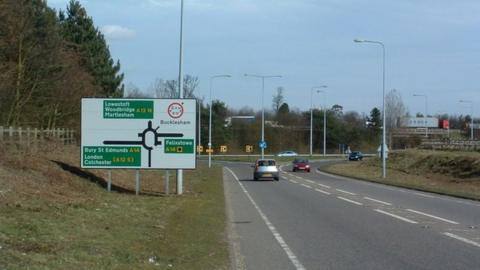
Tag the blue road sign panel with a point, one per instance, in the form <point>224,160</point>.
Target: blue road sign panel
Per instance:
<point>262,144</point>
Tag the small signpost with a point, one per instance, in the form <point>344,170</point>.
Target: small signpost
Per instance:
<point>138,134</point>
<point>262,144</point>
<point>199,148</point>
<point>249,148</point>
<point>223,149</point>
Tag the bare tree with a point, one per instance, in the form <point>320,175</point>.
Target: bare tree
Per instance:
<point>278,99</point>
<point>169,88</point>
<point>395,109</point>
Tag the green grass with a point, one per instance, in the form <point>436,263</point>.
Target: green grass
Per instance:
<point>433,171</point>
<point>118,231</point>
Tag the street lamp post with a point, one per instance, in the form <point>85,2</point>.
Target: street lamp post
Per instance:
<point>311,115</point>
<point>180,91</point>
<point>384,161</point>
<point>426,112</point>
<point>210,119</point>
<point>263,107</point>
<point>471,116</point>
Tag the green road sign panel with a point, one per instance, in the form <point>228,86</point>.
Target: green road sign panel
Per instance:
<point>179,146</point>
<point>111,156</point>
<point>128,109</point>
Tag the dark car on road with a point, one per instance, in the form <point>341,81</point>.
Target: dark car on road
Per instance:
<point>301,165</point>
<point>355,156</point>
<point>265,168</point>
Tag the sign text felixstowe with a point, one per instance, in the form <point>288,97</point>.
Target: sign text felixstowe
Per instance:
<point>138,133</point>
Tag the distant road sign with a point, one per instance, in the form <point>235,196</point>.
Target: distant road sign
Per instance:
<point>199,148</point>
<point>262,144</point>
<point>138,133</point>
<point>223,149</point>
<point>249,148</point>
<point>209,151</point>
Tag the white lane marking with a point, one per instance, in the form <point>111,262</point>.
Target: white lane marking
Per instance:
<point>298,177</point>
<point>395,216</point>
<point>325,186</point>
<point>270,226</point>
<point>293,181</point>
<point>465,240</point>
<point>347,192</point>
<point>432,216</point>
<point>350,201</point>
<point>306,186</point>
<point>321,191</point>
<point>375,200</point>
<point>310,181</point>
<point>423,195</point>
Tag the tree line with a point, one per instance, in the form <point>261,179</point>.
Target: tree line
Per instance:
<point>49,60</point>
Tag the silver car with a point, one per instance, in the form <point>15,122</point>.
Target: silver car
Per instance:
<point>266,168</point>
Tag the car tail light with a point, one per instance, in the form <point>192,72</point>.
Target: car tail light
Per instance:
<point>307,166</point>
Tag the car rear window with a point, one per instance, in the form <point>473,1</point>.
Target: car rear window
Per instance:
<point>263,163</point>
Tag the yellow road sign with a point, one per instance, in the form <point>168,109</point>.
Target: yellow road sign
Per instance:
<point>249,148</point>
<point>223,148</point>
<point>199,148</point>
<point>209,151</point>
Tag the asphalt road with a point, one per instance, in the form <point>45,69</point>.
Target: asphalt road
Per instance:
<point>319,221</point>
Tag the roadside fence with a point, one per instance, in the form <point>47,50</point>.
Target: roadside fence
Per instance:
<point>35,135</point>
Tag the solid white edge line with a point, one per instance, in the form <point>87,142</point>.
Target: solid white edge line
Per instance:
<point>306,186</point>
<point>465,240</point>
<point>293,258</point>
<point>432,216</point>
<point>350,201</point>
<point>378,201</point>
<point>423,195</point>
<point>347,192</point>
<point>322,191</point>
<point>395,216</point>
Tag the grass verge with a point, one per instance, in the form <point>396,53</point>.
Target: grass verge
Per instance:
<point>51,219</point>
<point>411,171</point>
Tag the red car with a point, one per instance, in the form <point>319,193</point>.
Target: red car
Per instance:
<point>301,165</point>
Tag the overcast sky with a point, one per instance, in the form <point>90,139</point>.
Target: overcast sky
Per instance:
<point>432,48</point>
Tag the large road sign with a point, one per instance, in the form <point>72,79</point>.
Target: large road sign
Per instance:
<point>138,133</point>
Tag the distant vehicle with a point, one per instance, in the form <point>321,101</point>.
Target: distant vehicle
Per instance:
<point>301,165</point>
<point>287,154</point>
<point>266,168</point>
<point>355,156</point>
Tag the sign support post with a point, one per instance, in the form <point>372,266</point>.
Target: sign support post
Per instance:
<point>109,183</point>
<point>137,182</point>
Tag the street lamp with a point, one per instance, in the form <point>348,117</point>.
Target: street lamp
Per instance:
<point>311,114</point>
<point>426,112</point>
<point>471,116</point>
<point>210,120</point>
<point>263,107</point>
<point>384,162</point>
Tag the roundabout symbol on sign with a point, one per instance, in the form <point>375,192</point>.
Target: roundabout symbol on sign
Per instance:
<point>175,110</point>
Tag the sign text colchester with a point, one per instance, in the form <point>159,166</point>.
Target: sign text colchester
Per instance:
<point>139,133</point>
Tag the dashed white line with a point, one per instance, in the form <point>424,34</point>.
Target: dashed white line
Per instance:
<point>293,181</point>
<point>310,181</point>
<point>375,200</point>
<point>350,201</point>
<point>395,216</point>
<point>306,186</point>
<point>325,186</point>
<point>423,195</point>
<point>322,191</point>
<point>432,216</point>
<point>465,240</point>
<point>293,258</point>
<point>344,191</point>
